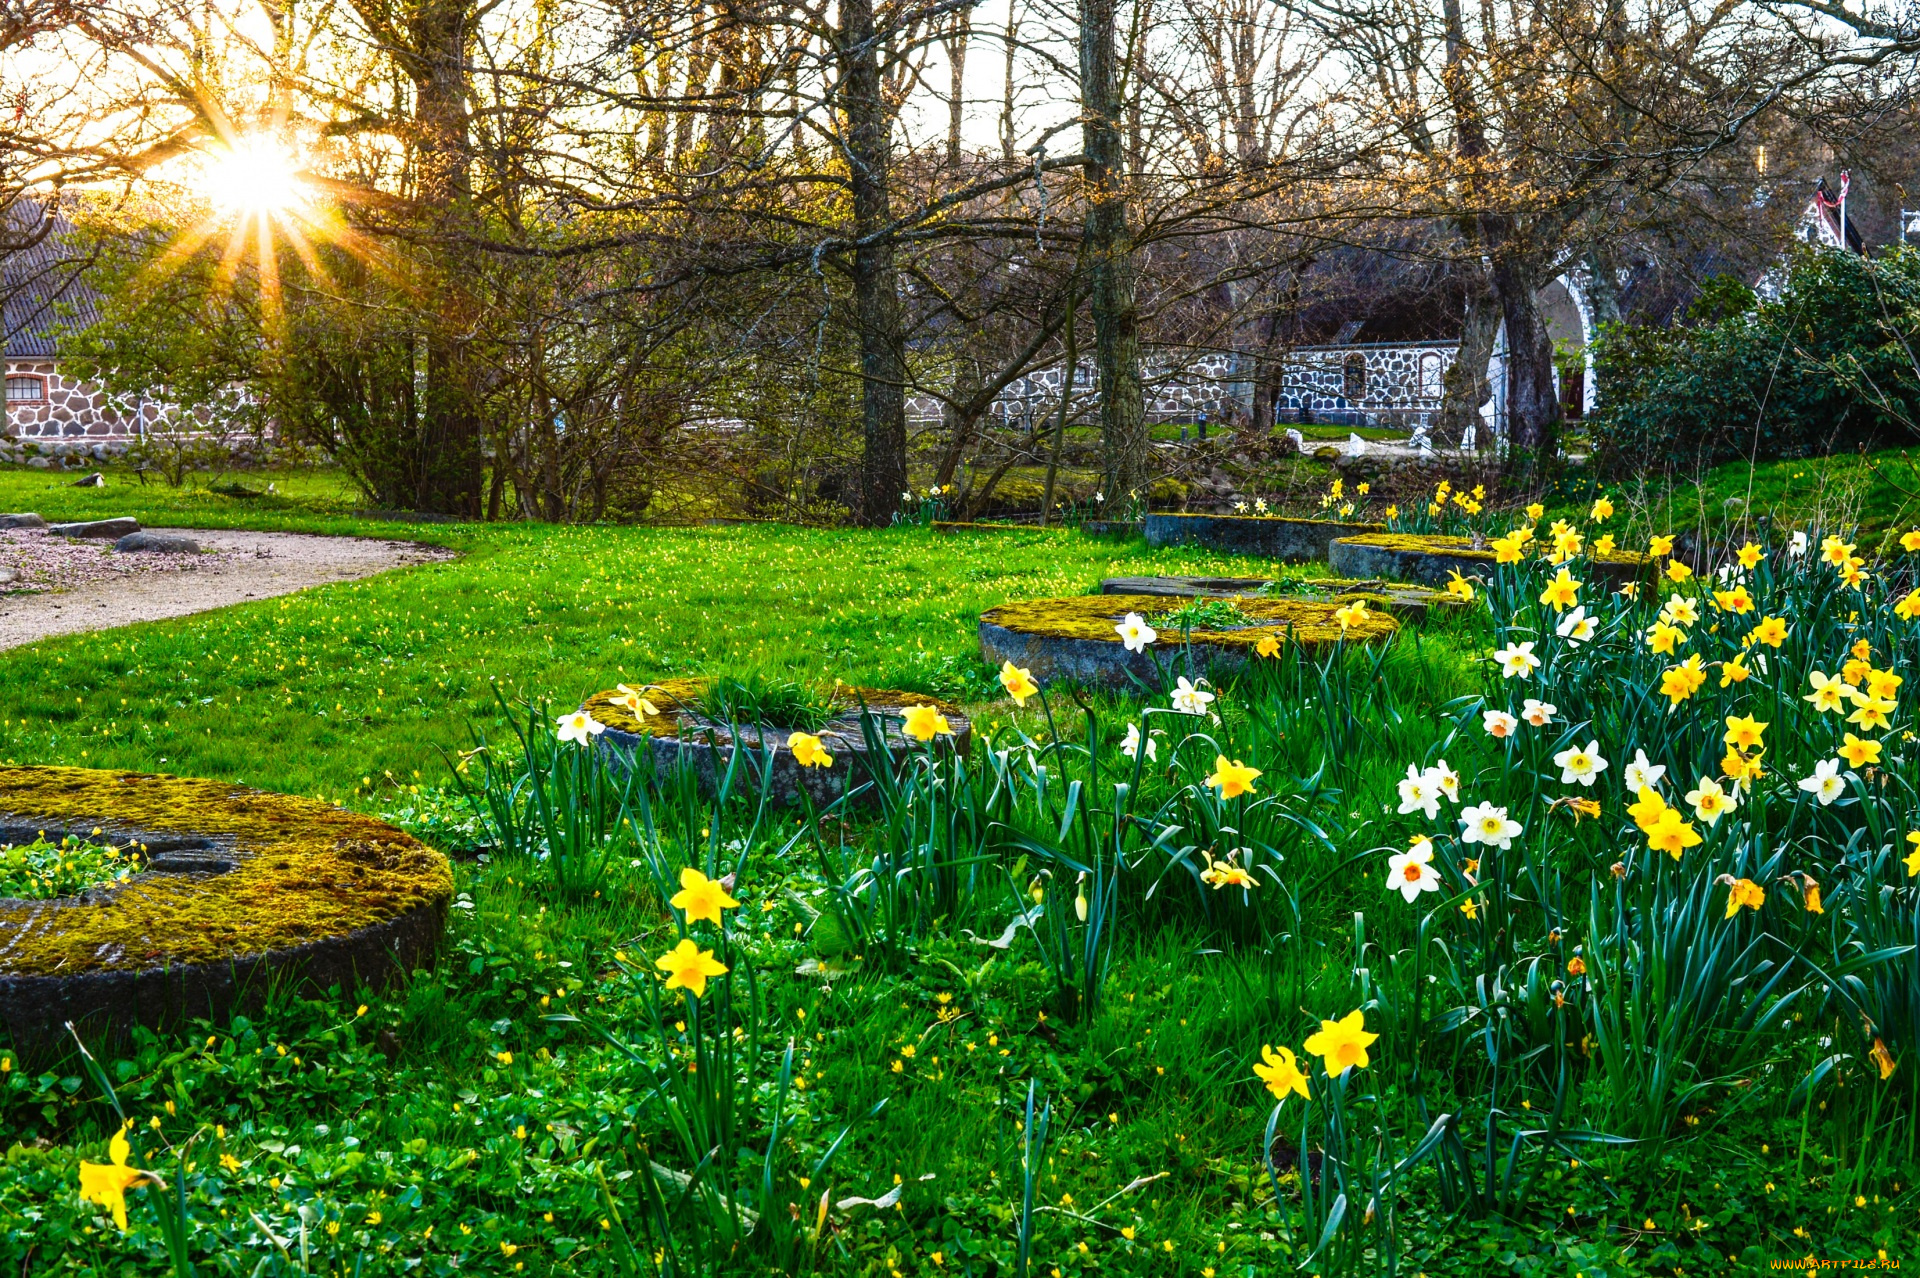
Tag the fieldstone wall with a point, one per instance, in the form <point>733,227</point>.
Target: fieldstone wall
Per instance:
<point>71,410</point>
<point>1358,383</point>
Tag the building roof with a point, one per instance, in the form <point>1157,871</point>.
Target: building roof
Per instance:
<point>41,286</point>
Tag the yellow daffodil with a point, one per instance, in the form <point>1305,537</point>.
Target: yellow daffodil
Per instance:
<point>1749,556</point>
<point>1740,768</point>
<point>108,1183</point>
<point>1342,1044</point>
<point>1858,753</point>
<point>1648,807</point>
<point>1660,545</point>
<point>1912,859</point>
<point>1678,572</point>
<point>1459,587</point>
<point>808,751</point>
<point>1829,695</point>
<point>1562,592</point>
<point>1281,1075</point>
<point>1810,894</point>
<point>1603,544</point>
<point>1871,712</point>
<point>1744,732</point>
<point>700,897</point>
<point>1882,1057</point>
<point>1350,614</point>
<point>1535,511</point>
<point>1269,645</point>
<point>1772,631</point>
<point>1232,778</point>
<point>1506,550</point>
<point>924,723</point>
<point>1884,684</point>
<point>1736,601</point>
<point>1833,551</point>
<point>1679,610</point>
<point>1602,509</point>
<point>688,966</point>
<point>1671,833</point>
<point>1734,670</point>
<point>1662,636</point>
<point>1908,608</point>
<point>1745,892</point>
<point>1018,681</point>
<point>1910,541</point>
<point>1677,683</point>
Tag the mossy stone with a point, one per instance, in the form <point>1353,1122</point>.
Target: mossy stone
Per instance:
<point>1431,559</point>
<point>243,888</point>
<point>682,733</point>
<point>1074,638</point>
<point>1274,536</point>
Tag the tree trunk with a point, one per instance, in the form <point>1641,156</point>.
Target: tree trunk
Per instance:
<point>1466,389</point>
<point>1533,386</point>
<point>876,296</point>
<point>1109,255</point>
<point>450,465</point>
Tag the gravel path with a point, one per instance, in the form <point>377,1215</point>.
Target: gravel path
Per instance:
<point>64,587</point>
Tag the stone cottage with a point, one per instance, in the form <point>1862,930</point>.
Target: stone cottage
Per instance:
<point>42,292</point>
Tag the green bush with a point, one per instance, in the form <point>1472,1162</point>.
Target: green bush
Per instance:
<point>1824,367</point>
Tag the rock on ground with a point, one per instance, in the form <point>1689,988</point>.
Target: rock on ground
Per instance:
<point>22,520</point>
<point>109,529</point>
<point>159,542</point>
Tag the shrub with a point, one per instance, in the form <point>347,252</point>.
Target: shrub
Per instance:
<point>1823,367</point>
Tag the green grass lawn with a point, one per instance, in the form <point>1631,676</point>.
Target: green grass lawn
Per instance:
<point>452,1125</point>
<point>362,684</point>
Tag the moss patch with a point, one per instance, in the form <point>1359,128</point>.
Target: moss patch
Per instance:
<point>301,871</point>
<point>679,702</point>
<point>1309,621</point>
<point>1463,548</point>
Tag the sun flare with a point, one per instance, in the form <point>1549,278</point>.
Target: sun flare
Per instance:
<point>253,175</point>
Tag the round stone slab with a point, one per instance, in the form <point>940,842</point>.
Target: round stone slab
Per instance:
<point>682,732</point>
<point>1269,535</point>
<point>1406,602</point>
<point>1075,638</point>
<point>156,543</point>
<point>1431,560</point>
<point>242,890</point>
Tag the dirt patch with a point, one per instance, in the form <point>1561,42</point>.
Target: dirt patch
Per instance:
<point>64,587</point>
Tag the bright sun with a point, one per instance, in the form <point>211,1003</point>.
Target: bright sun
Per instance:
<point>254,175</point>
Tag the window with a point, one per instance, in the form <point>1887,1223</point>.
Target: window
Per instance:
<point>1432,376</point>
<point>1353,377</point>
<point>26,390</point>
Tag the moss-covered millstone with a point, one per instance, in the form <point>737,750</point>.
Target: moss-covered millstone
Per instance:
<point>1270,535</point>
<point>1431,560</point>
<point>683,731</point>
<point>1409,603</point>
<point>240,889</point>
<point>1075,638</point>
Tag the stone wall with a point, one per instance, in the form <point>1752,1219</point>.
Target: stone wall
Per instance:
<point>71,409</point>
<point>1396,384</point>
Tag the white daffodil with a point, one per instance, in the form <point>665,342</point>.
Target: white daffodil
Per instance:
<point>1446,779</point>
<point>1489,825</point>
<point>1517,660</point>
<point>1710,802</point>
<point>1189,698</point>
<point>1131,745</point>
<point>1411,872</point>
<point>1582,766</point>
<point>1498,723</point>
<point>1417,796</point>
<point>580,726</point>
<point>1135,633</point>
<point>1797,544</point>
<point>1826,784</point>
<point>1577,627</point>
<point>1538,713</point>
<point>1643,773</point>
